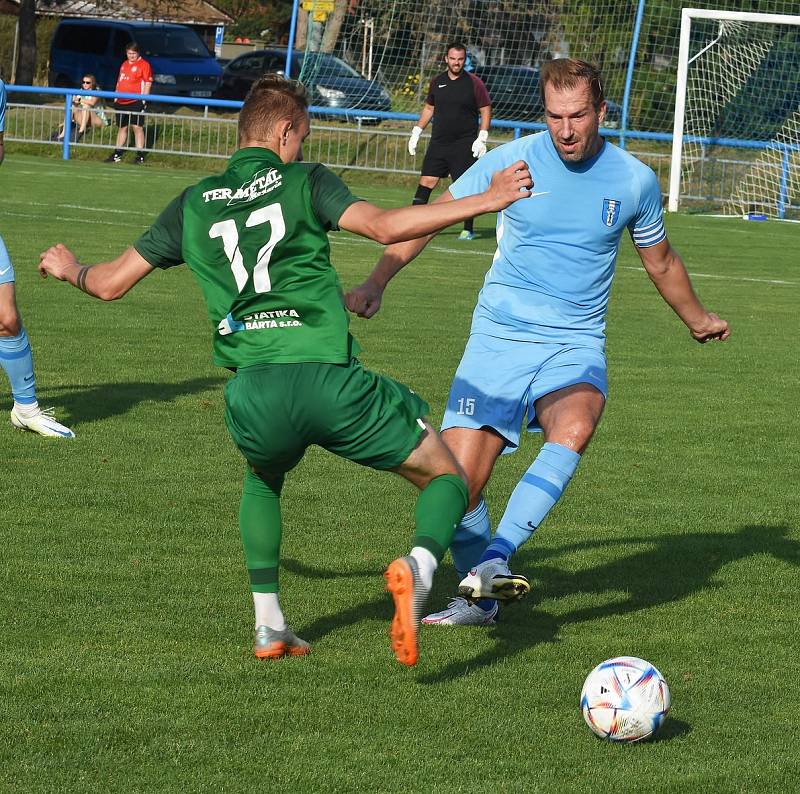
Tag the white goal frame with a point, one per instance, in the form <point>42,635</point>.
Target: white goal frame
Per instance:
<point>687,15</point>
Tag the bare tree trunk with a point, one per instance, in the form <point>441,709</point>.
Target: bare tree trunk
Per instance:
<point>334,25</point>
<point>26,64</point>
<point>301,31</point>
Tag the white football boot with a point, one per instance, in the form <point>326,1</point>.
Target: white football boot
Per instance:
<point>460,612</point>
<point>493,579</point>
<point>42,422</point>
<point>274,644</point>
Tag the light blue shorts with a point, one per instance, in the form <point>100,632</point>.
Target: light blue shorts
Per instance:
<point>6,268</point>
<point>499,380</point>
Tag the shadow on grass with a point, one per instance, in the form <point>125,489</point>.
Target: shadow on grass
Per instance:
<point>671,729</point>
<point>310,572</point>
<point>91,403</point>
<point>671,568</point>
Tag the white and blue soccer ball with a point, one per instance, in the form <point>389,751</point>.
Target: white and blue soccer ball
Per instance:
<point>625,699</point>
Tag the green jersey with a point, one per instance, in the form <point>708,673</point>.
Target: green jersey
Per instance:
<point>256,239</point>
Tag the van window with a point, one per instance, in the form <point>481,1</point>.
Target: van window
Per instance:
<point>171,43</point>
<point>91,39</point>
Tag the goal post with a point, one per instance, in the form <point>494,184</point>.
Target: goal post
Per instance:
<point>730,57</point>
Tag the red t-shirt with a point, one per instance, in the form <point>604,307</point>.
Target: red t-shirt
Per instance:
<point>131,78</point>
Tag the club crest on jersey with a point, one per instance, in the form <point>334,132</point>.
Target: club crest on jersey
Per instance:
<point>611,211</point>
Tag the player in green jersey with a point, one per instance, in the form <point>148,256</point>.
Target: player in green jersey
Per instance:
<point>255,238</point>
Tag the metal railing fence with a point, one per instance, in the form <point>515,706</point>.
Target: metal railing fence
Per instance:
<point>202,130</point>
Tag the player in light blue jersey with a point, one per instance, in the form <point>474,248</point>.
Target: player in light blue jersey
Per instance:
<point>15,350</point>
<point>536,350</point>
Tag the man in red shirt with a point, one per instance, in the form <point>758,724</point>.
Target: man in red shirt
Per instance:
<point>135,77</point>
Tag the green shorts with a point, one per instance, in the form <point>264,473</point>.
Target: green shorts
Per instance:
<point>275,411</point>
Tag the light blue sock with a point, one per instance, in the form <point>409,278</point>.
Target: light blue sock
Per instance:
<point>471,538</point>
<point>536,493</point>
<point>16,359</point>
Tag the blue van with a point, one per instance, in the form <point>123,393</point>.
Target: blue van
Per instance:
<point>182,64</point>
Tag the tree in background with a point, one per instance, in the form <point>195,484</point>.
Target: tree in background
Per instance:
<point>26,63</point>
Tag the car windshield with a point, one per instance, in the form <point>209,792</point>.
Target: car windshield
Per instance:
<point>172,43</point>
<point>315,66</point>
<point>508,80</point>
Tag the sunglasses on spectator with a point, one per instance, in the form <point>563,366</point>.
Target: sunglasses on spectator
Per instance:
<point>86,82</point>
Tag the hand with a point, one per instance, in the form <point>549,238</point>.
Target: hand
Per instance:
<point>479,144</point>
<point>508,186</point>
<point>413,140</point>
<point>714,328</point>
<point>57,262</point>
<point>365,299</point>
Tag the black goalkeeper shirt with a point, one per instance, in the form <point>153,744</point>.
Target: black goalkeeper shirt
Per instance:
<point>456,104</point>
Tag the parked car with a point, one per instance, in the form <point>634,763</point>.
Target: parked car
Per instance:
<point>329,80</point>
<point>514,91</point>
<point>182,64</point>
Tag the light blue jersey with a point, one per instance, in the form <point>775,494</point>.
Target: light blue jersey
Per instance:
<point>6,269</point>
<point>550,278</point>
<point>2,106</point>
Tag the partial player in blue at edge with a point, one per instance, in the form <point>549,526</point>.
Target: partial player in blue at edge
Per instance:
<point>535,356</point>
<point>15,349</point>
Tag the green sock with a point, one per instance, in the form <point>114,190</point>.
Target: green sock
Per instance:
<point>440,508</point>
<point>260,527</point>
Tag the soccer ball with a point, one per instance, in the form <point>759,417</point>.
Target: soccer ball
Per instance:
<point>625,699</point>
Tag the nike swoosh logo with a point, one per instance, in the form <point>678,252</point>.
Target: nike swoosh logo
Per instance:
<point>28,378</point>
<point>531,525</point>
<point>3,272</point>
<point>443,86</point>
<point>543,193</point>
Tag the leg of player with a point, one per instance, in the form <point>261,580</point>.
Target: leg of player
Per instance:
<point>568,417</point>
<point>260,527</point>
<point>476,450</point>
<point>424,189</point>
<point>440,507</point>
<point>17,361</point>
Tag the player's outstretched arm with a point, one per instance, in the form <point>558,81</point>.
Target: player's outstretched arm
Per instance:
<point>365,299</point>
<point>668,273</point>
<point>107,280</point>
<point>407,223</point>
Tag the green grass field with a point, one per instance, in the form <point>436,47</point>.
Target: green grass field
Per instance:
<point>125,648</point>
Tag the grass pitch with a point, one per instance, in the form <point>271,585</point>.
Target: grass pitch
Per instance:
<point>125,648</point>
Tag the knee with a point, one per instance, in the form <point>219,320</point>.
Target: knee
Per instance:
<point>575,434</point>
<point>10,323</point>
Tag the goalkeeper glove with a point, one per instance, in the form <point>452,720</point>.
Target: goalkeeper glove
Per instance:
<point>479,144</point>
<point>414,139</point>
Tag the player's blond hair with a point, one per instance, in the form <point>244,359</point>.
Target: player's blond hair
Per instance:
<point>270,99</point>
<point>567,73</point>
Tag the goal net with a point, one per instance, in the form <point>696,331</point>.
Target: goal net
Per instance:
<point>736,133</point>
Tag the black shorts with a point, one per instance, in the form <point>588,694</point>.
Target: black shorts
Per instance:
<point>130,113</point>
<point>448,159</point>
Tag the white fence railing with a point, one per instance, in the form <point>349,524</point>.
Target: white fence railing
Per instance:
<point>208,129</point>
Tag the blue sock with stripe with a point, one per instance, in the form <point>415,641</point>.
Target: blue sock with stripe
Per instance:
<point>17,361</point>
<point>471,539</point>
<point>533,498</point>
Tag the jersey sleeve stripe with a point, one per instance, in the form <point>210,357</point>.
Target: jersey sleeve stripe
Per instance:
<point>649,235</point>
<point>640,229</point>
